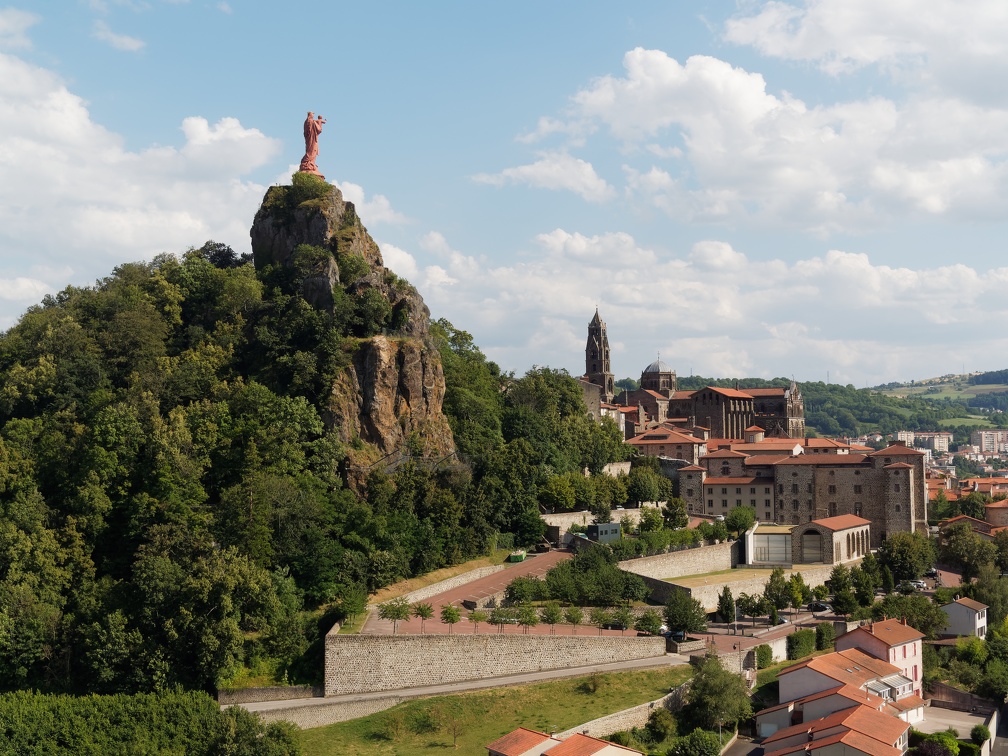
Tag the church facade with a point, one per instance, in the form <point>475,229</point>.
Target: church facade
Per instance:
<point>720,412</point>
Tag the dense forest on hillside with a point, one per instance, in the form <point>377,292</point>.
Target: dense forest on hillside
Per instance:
<point>173,497</point>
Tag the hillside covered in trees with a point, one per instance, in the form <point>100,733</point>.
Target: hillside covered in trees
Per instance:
<point>191,481</point>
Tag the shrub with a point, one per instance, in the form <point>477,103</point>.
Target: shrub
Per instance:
<point>825,635</point>
<point>801,643</point>
<point>979,734</point>
<point>764,656</point>
<point>306,187</point>
<point>969,749</point>
<point>661,725</point>
<point>697,743</point>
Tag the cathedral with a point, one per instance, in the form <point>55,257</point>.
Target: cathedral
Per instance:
<point>711,411</point>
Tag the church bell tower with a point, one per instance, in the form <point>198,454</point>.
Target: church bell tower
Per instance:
<point>597,359</point>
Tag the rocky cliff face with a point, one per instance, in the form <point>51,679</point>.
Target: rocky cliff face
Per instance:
<point>390,397</point>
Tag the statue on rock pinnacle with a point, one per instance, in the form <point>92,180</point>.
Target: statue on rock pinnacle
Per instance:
<point>312,129</point>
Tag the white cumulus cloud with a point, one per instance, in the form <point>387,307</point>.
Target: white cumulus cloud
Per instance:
<point>557,171</point>
<point>103,33</point>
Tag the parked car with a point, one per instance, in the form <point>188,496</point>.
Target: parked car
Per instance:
<point>678,636</point>
<point>932,572</point>
<point>783,621</point>
<point>819,606</point>
<point>920,585</point>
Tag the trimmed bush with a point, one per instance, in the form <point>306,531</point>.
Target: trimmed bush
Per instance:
<point>801,643</point>
<point>969,749</point>
<point>979,734</point>
<point>825,635</point>
<point>764,656</point>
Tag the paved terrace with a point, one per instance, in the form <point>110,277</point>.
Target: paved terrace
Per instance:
<point>535,565</point>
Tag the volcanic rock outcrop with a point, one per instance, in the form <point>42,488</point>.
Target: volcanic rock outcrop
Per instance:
<point>390,396</point>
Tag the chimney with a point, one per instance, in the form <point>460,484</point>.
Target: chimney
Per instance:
<point>904,619</point>
<point>871,628</point>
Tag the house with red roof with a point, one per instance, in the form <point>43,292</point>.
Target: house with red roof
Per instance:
<point>893,641</point>
<point>523,742</point>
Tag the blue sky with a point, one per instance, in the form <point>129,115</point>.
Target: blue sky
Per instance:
<point>752,189</point>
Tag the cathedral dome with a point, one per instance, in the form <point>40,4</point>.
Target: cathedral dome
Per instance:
<point>658,367</point>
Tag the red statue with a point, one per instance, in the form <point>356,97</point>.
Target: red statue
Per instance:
<point>312,129</point>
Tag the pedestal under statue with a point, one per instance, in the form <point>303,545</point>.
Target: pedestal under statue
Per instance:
<point>312,129</point>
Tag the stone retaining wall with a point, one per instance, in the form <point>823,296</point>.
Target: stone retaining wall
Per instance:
<point>636,716</point>
<point>368,663</point>
<point>693,561</point>
<point>434,589</point>
<point>228,696</point>
<point>320,715</point>
<point>708,594</point>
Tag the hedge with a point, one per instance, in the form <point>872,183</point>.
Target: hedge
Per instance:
<point>764,656</point>
<point>801,643</point>
<point>825,635</point>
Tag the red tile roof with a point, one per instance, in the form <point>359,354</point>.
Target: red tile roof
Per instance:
<point>730,393</point>
<point>765,391</point>
<point>863,719</point>
<point>583,745</point>
<point>851,667</point>
<point>896,450</point>
<point>733,481</point>
<point>518,741</point>
<point>892,632</point>
<point>970,604</point>
<point>724,453</point>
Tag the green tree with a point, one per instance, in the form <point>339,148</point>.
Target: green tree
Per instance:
<point>423,611</point>
<point>963,547</point>
<point>648,622</point>
<point>642,485</point>
<point>907,555</point>
<point>726,605</point>
<point>450,615</point>
<point>752,605</point>
<point>527,617</point>
<point>622,617</point>
<point>476,616</point>
<point>574,616</point>
<point>551,614</point>
<point>697,743</point>
<point>777,590</point>
<point>599,617</point>
<point>740,519</point>
<point>716,696</point>
<point>395,611</point>
<point>675,513</point>
<point>684,613</point>
<point>651,520</point>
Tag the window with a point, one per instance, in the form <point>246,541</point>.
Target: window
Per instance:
<point>896,488</point>
<point>689,491</point>
<point>832,489</point>
<point>794,488</point>
<point>766,490</point>
<point>724,503</point>
<point>752,503</point>
<point>794,505</point>
<point>768,503</point>
<point>738,490</point>
<point>752,490</point>
<point>857,489</point>
<point>808,487</point>
<point>724,490</point>
<point>897,507</point>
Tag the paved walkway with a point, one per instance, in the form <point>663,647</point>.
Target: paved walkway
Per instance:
<point>669,660</point>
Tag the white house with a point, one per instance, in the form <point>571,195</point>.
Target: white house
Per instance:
<point>893,641</point>
<point>965,617</point>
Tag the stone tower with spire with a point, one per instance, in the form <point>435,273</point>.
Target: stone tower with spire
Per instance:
<point>597,369</point>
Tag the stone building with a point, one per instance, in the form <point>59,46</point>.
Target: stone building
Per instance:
<point>722,412</point>
<point>886,487</point>
<point>597,365</point>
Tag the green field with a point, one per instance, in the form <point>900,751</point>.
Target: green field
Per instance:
<point>955,390</point>
<point>426,726</point>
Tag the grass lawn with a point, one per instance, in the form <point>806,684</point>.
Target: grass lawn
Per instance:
<point>407,586</point>
<point>425,726</point>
